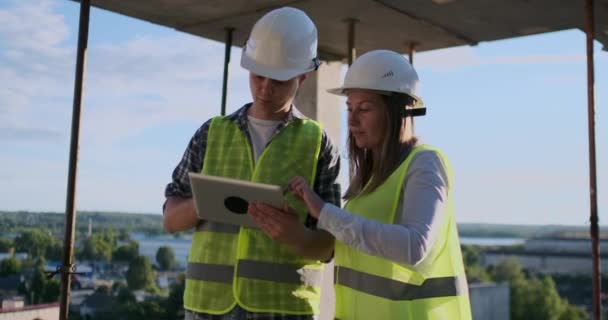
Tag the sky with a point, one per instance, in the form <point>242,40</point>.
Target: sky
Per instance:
<point>511,115</point>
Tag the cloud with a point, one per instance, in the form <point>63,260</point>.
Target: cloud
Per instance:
<point>29,134</point>
<point>130,85</point>
<point>32,26</point>
<point>33,69</point>
<point>147,81</point>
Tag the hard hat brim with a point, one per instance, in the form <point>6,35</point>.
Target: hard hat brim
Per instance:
<point>341,91</point>
<point>269,72</point>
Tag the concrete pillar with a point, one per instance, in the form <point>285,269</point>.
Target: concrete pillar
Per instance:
<point>314,101</point>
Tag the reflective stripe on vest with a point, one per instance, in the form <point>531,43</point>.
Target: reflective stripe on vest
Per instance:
<point>209,272</point>
<point>260,270</point>
<point>397,290</point>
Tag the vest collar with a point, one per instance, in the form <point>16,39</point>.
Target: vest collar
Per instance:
<point>240,115</point>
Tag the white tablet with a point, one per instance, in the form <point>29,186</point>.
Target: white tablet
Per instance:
<point>226,200</point>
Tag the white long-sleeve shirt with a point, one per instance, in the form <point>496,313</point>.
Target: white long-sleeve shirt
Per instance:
<point>421,209</point>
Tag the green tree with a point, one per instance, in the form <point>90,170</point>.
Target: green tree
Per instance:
<point>99,247</point>
<point>36,286</point>
<point>534,298</point>
<point>165,257</point>
<point>573,313</point>
<point>150,309</point>
<point>39,288</point>
<point>123,235</point>
<point>117,286</point>
<point>126,252</point>
<point>6,246</point>
<point>51,291</point>
<point>508,270</point>
<point>474,271</point>
<point>10,266</point>
<point>174,305</point>
<point>140,274</point>
<point>54,251</point>
<point>35,242</point>
<point>104,289</point>
<point>470,254</point>
<point>124,295</point>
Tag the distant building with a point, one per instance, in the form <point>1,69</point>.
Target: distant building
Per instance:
<point>490,301</point>
<point>19,256</point>
<point>549,256</point>
<point>12,303</point>
<point>14,309</point>
<point>563,245</point>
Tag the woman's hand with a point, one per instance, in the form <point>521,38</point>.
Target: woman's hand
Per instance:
<point>300,188</point>
<point>283,226</point>
<point>280,224</point>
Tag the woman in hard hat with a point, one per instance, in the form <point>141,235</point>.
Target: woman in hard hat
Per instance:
<point>398,254</point>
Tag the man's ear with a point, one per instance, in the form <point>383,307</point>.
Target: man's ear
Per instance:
<point>301,78</point>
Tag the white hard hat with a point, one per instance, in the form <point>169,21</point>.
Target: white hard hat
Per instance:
<point>385,71</point>
<point>282,45</point>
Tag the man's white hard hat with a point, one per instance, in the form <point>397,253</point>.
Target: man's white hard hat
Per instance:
<point>384,71</point>
<point>282,45</point>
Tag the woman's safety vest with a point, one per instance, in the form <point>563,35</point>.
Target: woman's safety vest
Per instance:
<point>369,287</point>
<point>228,265</point>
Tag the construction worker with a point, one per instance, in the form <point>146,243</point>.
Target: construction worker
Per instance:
<point>397,252</point>
<point>241,273</point>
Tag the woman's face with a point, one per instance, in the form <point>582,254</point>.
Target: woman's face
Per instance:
<point>366,118</point>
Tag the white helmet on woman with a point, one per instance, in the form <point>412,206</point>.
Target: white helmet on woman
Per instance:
<point>384,71</point>
<point>282,45</point>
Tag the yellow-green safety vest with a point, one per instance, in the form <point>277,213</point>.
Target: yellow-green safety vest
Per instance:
<point>369,287</point>
<point>228,265</point>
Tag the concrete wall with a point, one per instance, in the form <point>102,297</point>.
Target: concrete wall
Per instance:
<point>563,245</point>
<point>314,101</point>
<point>490,301</point>
<point>48,312</point>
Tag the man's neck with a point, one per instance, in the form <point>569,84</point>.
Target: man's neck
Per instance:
<point>260,112</point>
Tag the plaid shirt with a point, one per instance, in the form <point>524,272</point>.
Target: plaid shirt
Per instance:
<point>325,186</point>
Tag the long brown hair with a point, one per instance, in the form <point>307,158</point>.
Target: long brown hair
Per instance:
<point>368,173</point>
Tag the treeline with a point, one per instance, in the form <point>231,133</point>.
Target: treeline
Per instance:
<point>16,222</point>
<point>532,296</point>
<point>37,287</point>
<point>106,246</point>
<point>151,224</point>
<point>524,231</point>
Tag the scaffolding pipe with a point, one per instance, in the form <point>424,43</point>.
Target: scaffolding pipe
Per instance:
<point>411,51</point>
<point>352,51</point>
<point>593,218</point>
<point>68,268</point>
<point>229,32</point>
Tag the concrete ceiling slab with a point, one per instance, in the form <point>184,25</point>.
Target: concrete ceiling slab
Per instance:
<point>387,24</point>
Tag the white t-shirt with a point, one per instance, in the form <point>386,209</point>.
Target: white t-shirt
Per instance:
<point>260,131</point>
<point>420,212</point>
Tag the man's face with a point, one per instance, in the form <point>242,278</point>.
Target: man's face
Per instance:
<point>273,95</point>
